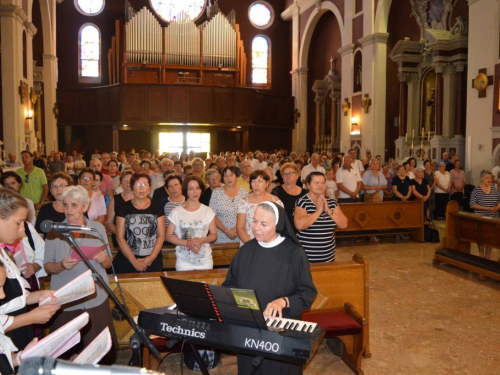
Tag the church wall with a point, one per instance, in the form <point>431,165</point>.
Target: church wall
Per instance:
<point>357,30</point>
<point>269,139</point>
<point>324,45</point>
<point>38,38</point>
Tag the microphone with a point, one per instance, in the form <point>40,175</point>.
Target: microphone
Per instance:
<point>52,366</point>
<point>47,226</point>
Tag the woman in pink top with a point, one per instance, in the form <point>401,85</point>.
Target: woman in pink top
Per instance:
<point>457,177</point>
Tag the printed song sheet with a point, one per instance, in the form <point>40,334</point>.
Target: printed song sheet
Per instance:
<point>96,350</point>
<point>77,288</point>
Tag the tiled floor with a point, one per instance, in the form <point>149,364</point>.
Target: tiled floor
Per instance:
<point>424,319</point>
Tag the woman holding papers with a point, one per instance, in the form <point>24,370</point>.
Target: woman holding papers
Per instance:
<point>14,316</point>
<point>275,265</point>
<point>62,263</point>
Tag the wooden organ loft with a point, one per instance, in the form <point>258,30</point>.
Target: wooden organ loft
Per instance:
<point>211,54</point>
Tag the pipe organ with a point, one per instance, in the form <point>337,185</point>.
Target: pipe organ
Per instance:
<point>211,53</point>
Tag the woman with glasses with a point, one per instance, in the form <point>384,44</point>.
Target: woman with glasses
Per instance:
<point>97,208</point>
<point>117,201</point>
<point>174,198</point>
<point>289,191</point>
<point>197,164</point>
<point>192,228</point>
<point>140,230</point>
<point>224,202</point>
<point>54,211</point>
<point>12,180</point>
<point>259,181</point>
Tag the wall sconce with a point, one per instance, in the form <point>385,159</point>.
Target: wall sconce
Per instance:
<point>29,115</point>
<point>354,125</point>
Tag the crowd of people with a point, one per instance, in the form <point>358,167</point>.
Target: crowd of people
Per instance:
<point>147,201</point>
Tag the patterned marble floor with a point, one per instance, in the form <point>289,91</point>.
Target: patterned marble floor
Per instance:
<point>424,319</point>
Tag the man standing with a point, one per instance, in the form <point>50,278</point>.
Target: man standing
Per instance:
<point>12,163</point>
<point>79,164</point>
<point>130,159</point>
<point>355,163</point>
<point>276,165</point>
<point>105,158</point>
<point>57,165</point>
<point>445,159</point>
<point>34,181</point>
<point>158,180</point>
<point>313,167</point>
<point>451,165</point>
<point>107,185</point>
<point>231,162</point>
<point>220,163</point>
<point>244,180</point>
<point>38,161</point>
<point>260,163</point>
<point>348,182</point>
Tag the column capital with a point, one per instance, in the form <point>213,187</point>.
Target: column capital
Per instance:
<point>374,38</point>
<point>299,71</point>
<point>439,68</point>
<point>450,70</point>
<point>345,50</point>
<point>31,29</point>
<point>404,77</point>
<point>460,66</point>
<point>49,57</point>
<point>10,10</point>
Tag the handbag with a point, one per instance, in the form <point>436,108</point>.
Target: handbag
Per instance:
<point>372,197</point>
<point>431,234</point>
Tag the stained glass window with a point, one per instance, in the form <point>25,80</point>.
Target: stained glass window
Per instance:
<point>261,14</point>
<point>260,60</point>
<point>89,7</point>
<point>90,47</point>
<point>172,10</point>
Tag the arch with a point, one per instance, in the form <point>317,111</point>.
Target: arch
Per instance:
<point>311,25</point>
<point>268,65</point>
<point>495,155</point>
<point>89,54</point>
<point>357,69</point>
<point>382,15</point>
<point>48,32</point>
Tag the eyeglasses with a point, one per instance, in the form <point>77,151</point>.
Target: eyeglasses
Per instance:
<point>87,178</point>
<point>27,178</point>
<point>141,184</point>
<point>288,174</point>
<point>57,187</point>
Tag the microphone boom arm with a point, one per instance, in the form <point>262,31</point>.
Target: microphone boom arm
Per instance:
<point>140,335</point>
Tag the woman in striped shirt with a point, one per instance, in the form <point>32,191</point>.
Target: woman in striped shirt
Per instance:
<point>315,218</point>
<point>485,201</point>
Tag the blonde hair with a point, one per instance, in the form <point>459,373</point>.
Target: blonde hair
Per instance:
<point>10,202</point>
<point>289,165</point>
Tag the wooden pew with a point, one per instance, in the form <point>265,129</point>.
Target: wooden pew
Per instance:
<point>462,229</point>
<point>382,218</point>
<point>337,283</point>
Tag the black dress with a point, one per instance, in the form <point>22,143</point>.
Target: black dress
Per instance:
<point>273,272</point>
<point>288,202</point>
<point>47,212</point>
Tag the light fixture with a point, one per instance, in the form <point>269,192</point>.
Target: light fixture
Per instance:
<point>354,125</point>
<point>239,127</point>
<point>29,115</point>
<point>125,125</point>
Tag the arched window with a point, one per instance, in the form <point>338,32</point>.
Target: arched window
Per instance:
<point>260,60</point>
<point>261,14</point>
<point>90,54</point>
<point>171,10</point>
<point>89,7</point>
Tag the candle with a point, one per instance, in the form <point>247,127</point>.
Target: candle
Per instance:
<point>423,132</point>
<point>412,133</point>
<point>406,137</point>
<point>429,138</point>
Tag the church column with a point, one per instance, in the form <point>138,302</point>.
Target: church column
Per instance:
<point>439,98</point>
<point>413,105</point>
<point>318,119</point>
<point>461,100</point>
<point>449,100</point>
<point>50,99</point>
<point>403,103</point>
<point>335,99</point>
<point>346,53</point>
<point>299,91</point>
<point>12,19</point>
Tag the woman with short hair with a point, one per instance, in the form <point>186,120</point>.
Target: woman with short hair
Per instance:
<point>431,181</point>
<point>11,180</point>
<point>442,191</point>
<point>117,201</point>
<point>420,188</point>
<point>97,208</point>
<point>140,230</point>
<point>175,198</point>
<point>192,228</point>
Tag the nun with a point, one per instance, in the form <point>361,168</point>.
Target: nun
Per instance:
<point>274,265</point>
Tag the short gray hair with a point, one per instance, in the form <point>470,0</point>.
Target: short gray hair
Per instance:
<point>212,171</point>
<point>484,172</point>
<point>419,169</point>
<point>78,193</point>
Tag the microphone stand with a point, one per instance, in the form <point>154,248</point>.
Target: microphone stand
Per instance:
<point>139,337</point>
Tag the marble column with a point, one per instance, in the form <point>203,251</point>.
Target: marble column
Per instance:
<point>439,68</point>
<point>300,92</point>
<point>461,99</point>
<point>318,120</point>
<point>333,135</point>
<point>403,104</point>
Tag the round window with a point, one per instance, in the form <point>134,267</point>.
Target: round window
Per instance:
<point>89,7</point>
<point>261,14</point>
<point>177,10</point>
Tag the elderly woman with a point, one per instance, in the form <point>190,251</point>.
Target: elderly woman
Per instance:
<point>12,180</point>
<point>486,202</point>
<point>386,171</point>
<point>140,230</point>
<point>197,164</point>
<point>442,191</point>
<point>420,188</point>
<point>192,229</point>
<point>63,268</point>
<point>224,202</point>
<point>259,182</point>
<point>289,191</point>
<point>96,211</point>
<point>54,211</point>
<point>374,183</point>
<point>15,319</point>
<point>282,294</point>
<point>117,201</point>
<point>457,177</point>
<point>175,198</point>
<point>316,218</point>
<point>431,181</point>
<point>401,185</point>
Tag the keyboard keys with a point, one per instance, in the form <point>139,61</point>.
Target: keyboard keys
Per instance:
<point>291,324</point>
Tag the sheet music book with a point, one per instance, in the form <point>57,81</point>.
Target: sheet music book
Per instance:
<point>89,251</point>
<point>228,305</point>
<point>76,289</point>
<point>60,341</point>
<point>96,350</point>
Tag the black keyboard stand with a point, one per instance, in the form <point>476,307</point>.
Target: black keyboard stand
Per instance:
<point>256,364</point>
<point>203,368</point>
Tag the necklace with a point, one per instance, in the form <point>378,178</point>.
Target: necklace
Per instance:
<point>143,206</point>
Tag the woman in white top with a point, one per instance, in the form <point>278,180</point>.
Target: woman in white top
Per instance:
<point>192,228</point>
<point>97,208</point>
<point>442,191</point>
<point>259,182</point>
<point>70,166</point>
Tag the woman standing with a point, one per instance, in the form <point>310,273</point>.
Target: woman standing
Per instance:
<point>11,180</point>
<point>140,230</point>
<point>485,201</point>
<point>316,218</point>
<point>374,183</point>
<point>97,208</point>
<point>388,177</point>
<point>192,229</point>
<point>224,202</point>
<point>63,269</point>
<point>174,199</point>
<point>431,181</point>
<point>117,201</point>
<point>70,167</point>
<point>420,188</point>
<point>457,177</point>
<point>289,191</point>
<point>276,267</point>
<point>259,182</point>
<point>442,191</point>
<point>401,185</point>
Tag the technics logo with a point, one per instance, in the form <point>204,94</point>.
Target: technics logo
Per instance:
<point>181,331</point>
